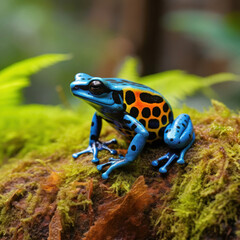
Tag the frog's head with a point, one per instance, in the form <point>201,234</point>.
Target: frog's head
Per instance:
<point>97,91</point>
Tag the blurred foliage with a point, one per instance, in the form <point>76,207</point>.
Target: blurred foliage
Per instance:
<point>219,34</point>
<point>16,76</point>
<point>172,84</point>
<point>175,85</point>
<point>40,129</point>
<point>32,28</point>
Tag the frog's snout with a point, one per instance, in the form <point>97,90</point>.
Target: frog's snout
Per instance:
<point>74,86</point>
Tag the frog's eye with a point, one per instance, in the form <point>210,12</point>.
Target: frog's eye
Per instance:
<point>97,87</point>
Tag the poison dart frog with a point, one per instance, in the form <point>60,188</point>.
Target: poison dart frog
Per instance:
<point>139,113</point>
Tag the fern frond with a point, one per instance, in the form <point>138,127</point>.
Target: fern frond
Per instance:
<point>30,66</point>
<point>129,69</point>
<point>220,77</point>
<point>16,76</point>
<point>176,85</point>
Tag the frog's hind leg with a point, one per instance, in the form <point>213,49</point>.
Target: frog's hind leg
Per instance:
<point>183,152</point>
<point>155,163</point>
<point>179,135</point>
<point>169,156</point>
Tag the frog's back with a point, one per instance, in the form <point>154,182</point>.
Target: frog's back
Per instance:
<point>146,105</point>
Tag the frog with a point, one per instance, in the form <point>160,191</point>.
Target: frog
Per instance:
<point>141,114</point>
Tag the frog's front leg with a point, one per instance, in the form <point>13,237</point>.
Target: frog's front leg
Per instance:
<point>134,148</point>
<point>94,144</point>
<point>179,136</point>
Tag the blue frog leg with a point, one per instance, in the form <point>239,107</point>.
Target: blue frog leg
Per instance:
<point>179,136</point>
<point>186,137</point>
<point>183,152</point>
<point>135,147</point>
<point>94,144</point>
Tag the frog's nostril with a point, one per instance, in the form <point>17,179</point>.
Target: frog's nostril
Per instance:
<point>75,87</point>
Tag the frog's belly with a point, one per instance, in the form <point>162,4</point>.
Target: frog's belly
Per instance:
<point>123,130</point>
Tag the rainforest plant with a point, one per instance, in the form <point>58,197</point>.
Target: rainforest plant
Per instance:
<point>175,85</point>
<point>16,77</point>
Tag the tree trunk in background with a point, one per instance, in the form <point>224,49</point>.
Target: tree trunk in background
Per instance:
<point>127,23</point>
<point>139,31</point>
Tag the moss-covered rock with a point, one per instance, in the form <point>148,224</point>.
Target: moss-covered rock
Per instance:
<point>45,194</point>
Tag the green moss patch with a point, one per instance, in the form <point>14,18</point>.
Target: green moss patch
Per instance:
<point>44,193</point>
<point>204,199</point>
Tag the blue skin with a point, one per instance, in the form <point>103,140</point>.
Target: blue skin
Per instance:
<point>178,135</point>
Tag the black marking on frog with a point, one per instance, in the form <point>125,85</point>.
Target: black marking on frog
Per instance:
<point>149,98</point>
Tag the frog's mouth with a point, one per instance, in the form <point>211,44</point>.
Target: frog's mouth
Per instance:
<point>89,98</point>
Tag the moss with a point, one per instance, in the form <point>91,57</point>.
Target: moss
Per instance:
<point>76,179</point>
<point>41,185</point>
<point>39,131</point>
<point>122,183</point>
<point>204,200</point>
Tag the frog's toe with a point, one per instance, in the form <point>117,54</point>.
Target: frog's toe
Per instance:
<point>75,155</point>
<point>95,160</point>
<point>87,150</point>
<point>162,170</point>
<point>114,160</point>
<point>99,167</point>
<point>112,151</point>
<point>180,161</point>
<point>155,163</point>
<point>113,141</point>
<point>105,176</point>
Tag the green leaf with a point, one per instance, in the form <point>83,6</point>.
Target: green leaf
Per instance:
<point>175,85</point>
<point>129,69</point>
<point>220,77</point>
<point>16,77</point>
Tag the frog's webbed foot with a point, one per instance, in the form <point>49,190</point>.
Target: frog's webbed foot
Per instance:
<point>114,163</point>
<point>169,156</point>
<point>95,147</point>
<point>104,146</point>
